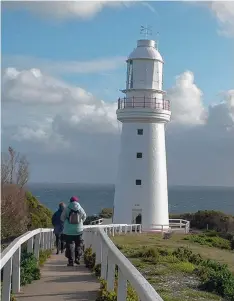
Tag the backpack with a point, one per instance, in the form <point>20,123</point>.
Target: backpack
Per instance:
<point>74,217</point>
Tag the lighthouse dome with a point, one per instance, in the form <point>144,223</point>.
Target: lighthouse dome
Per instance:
<point>145,50</point>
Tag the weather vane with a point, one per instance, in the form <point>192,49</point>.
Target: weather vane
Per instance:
<point>146,30</point>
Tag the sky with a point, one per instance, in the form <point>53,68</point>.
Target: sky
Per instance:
<point>63,64</point>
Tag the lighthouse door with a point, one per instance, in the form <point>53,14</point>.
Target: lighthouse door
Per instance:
<point>137,216</point>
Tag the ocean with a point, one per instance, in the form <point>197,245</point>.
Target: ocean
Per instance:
<point>95,197</point>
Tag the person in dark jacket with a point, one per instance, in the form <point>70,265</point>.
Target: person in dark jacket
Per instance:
<point>58,228</point>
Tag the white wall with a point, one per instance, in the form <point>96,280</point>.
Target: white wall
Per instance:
<point>151,169</point>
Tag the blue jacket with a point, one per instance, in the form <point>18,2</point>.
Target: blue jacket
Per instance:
<point>73,229</point>
<point>57,223</point>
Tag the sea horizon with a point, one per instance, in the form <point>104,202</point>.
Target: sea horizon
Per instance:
<point>95,197</point>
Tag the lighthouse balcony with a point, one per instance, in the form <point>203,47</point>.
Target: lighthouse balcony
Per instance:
<point>143,102</point>
<point>143,109</point>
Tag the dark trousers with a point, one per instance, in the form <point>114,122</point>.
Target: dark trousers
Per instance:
<point>59,241</point>
<point>73,247</point>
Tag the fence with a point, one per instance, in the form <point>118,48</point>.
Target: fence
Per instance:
<point>10,257</point>
<point>109,256</point>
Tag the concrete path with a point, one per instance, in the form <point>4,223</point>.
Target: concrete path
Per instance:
<point>59,283</point>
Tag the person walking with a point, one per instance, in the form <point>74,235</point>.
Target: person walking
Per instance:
<point>58,228</point>
<point>73,217</point>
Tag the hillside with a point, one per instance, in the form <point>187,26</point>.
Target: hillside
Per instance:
<point>21,212</point>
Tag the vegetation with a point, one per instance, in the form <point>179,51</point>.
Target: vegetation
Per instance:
<point>182,269</point>
<point>105,213</point>
<point>210,239</point>
<point>213,220</point>
<point>29,267</point>
<point>105,295</point>
<point>20,210</point>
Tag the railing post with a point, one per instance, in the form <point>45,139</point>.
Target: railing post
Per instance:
<point>113,231</point>
<point>104,261</point>
<point>42,241</point>
<point>122,287</point>
<point>98,250</point>
<point>30,245</point>
<point>47,240</point>
<point>125,229</point>
<point>37,245</point>
<point>6,289</point>
<point>110,273</point>
<point>16,271</point>
<point>51,240</point>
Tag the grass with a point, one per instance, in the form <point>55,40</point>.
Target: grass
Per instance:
<point>172,278</point>
<point>177,240</point>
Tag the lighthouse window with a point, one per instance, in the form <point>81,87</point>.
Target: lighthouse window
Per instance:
<point>139,155</point>
<point>129,75</point>
<point>140,132</point>
<point>138,182</point>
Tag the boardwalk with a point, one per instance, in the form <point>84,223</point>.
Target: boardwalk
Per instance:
<point>59,282</point>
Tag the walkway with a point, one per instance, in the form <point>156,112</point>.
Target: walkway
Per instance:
<point>61,283</point>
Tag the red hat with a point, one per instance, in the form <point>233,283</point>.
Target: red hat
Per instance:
<point>74,199</point>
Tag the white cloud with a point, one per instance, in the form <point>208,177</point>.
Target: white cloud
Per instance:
<point>62,125</point>
<point>224,12</point>
<point>69,9</point>
<point>63,67</point>
<point>186,100</point>
<point>33,87</point>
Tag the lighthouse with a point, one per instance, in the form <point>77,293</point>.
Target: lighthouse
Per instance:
<point>141,192</point>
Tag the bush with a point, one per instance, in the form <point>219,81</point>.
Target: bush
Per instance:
<point>97,270</point>
<point>39,215</point>
<point>216,220</point>
<point>211,240</point>
<point>29,270</point>
<point>105,295</point>
<point>106,213</point>
<point>43,256</point>
<point>89,258</point>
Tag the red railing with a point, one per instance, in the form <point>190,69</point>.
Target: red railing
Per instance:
<point>143,102</point>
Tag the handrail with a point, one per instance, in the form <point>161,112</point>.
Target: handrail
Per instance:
<point>12,248</point>
<point>11,257</point>
<point>108,255</point>
<point>143,102</point>
<point>140,284</point>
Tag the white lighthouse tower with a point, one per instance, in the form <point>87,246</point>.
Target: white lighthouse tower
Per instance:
<point>141,186</point>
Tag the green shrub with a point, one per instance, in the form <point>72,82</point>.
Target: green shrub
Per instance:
<point>43,256</point>
<point>29,270</point>
<point>105,295</point>
<point>211,240</point>
<point>89,258</point>
<point>216,220</point>
<point>97,270</point>
<point>39,215</point>
<point>106,213</point>
<point>184,267</point>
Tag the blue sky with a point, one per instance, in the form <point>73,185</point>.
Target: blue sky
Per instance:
<point>188,41</point>
<point>63,64</point>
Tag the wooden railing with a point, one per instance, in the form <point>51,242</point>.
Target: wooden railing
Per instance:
<point>174,225</point>
<point>109,256</point>
<point>39,239</point>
